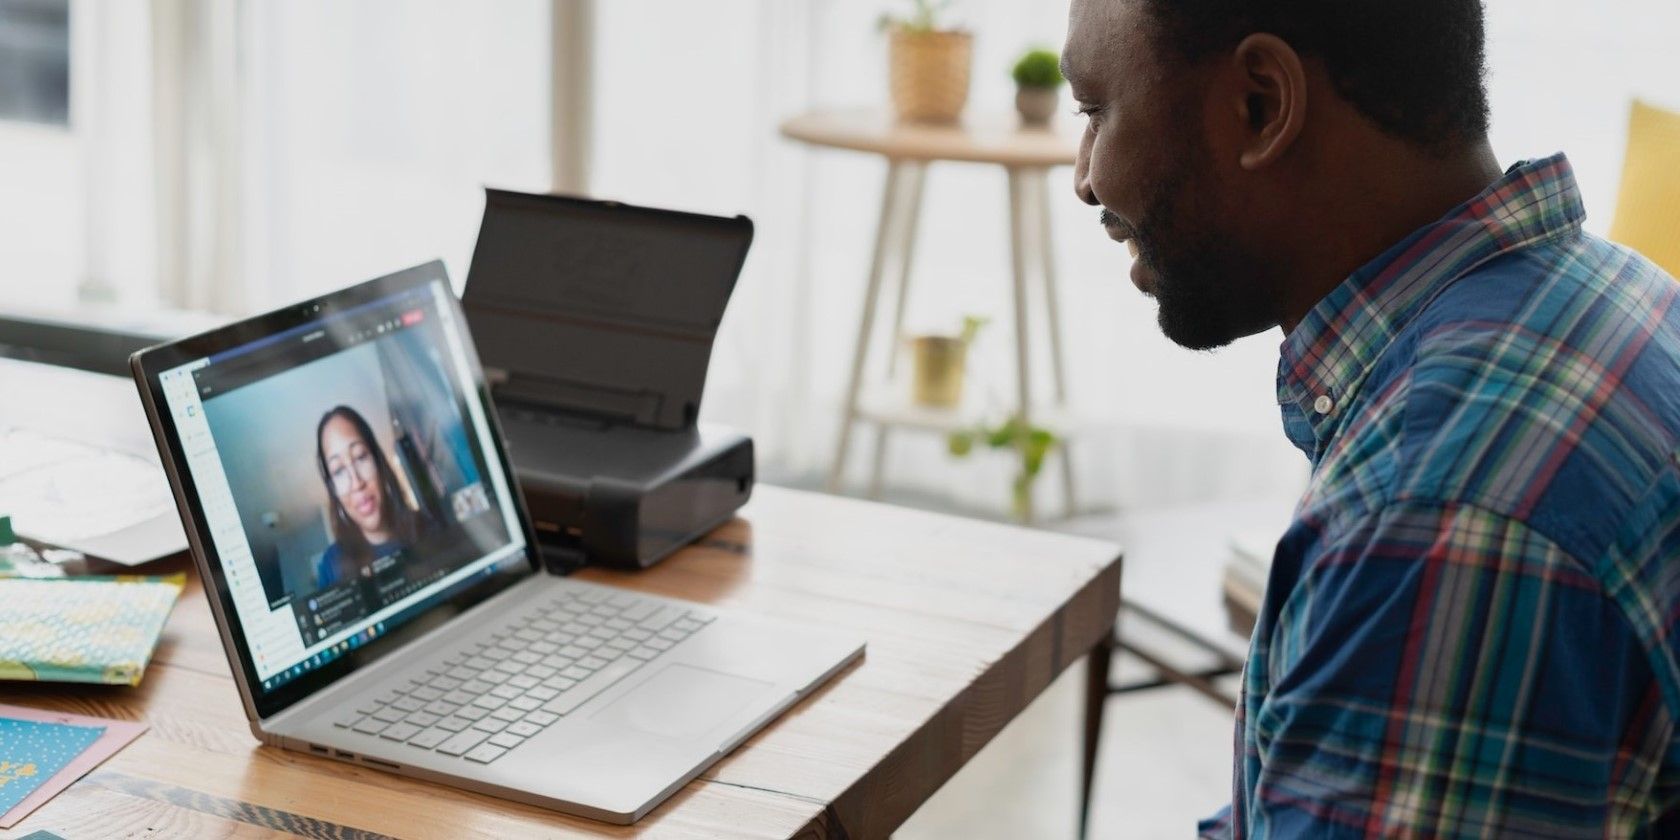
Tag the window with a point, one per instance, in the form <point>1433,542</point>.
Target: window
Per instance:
<point>35,61</point>
<point>75,153</point>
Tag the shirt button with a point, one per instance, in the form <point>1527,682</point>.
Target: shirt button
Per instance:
<point>1324,405</point>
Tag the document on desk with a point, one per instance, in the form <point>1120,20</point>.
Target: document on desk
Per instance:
<point>77,465</point>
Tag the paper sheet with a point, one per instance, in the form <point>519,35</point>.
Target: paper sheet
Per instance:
<point>62,492</point>
<point>78,467</point>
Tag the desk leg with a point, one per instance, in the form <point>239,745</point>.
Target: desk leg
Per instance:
<point>1018,244</point>
<point>884,234</point>
<point>1096,699</point>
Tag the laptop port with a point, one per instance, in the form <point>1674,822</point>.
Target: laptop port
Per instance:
<point>377,763</point>
<point>318,749</point>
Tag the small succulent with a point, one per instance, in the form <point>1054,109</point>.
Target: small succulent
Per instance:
<point>1039,68</point>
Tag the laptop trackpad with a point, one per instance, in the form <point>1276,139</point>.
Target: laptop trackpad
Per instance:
<point>682,702</point>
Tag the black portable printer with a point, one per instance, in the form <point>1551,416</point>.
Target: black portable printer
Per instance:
<point>594,321</point>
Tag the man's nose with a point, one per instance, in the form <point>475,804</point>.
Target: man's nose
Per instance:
<point>1082,188</point>
<point>1082,172</point>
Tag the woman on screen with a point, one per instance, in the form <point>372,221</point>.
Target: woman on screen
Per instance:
<point>369,517</point>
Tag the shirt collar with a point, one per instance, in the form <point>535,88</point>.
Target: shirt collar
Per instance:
<point>1328,355</point>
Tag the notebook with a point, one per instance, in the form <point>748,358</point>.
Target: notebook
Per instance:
<point>32,752</point>
<point>45,784</point>
<point>82,629</point>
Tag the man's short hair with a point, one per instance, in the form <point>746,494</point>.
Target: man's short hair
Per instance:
<point>1414,67</point>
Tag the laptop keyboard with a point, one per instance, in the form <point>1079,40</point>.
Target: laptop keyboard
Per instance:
<point>490,697</point>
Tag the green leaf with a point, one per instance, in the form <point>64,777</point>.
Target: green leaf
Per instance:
<point>1004,436</point>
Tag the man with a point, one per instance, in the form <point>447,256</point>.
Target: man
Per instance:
<point>1470,625</point>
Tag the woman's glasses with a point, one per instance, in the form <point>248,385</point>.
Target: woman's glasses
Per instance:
<point>361,462</point>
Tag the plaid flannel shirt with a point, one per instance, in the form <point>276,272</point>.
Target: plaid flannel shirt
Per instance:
<point>1469,629</point>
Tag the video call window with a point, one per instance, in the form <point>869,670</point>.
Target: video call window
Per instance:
<point>355,474</point>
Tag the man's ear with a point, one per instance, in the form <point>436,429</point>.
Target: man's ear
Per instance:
<point>1273,106</point>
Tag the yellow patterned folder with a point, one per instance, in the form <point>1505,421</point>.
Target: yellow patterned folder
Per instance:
<point>82,629</point>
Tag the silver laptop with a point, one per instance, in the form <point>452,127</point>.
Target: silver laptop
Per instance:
<point>379,591</point>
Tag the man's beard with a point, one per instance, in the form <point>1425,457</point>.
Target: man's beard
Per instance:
<point>1209,291</point>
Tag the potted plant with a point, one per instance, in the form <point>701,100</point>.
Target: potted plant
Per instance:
<point>928,63</point>
<point>938,364</point>
<point>1033,443</point>
<point>1038,79</point>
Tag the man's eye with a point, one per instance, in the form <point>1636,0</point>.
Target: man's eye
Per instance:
<point>1091,113</point>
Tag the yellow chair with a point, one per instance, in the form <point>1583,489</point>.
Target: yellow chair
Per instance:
<point>1648,207</point>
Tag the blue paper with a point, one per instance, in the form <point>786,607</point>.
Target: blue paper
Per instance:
<point>31,753</point>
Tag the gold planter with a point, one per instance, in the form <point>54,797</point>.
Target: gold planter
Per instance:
<point>929,74</point>
<point>937,368</point>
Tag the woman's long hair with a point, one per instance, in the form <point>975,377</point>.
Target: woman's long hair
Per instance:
<point>394,512</point>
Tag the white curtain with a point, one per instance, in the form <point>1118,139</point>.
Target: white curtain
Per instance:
<point>198,117</point>
<point>370,130</point>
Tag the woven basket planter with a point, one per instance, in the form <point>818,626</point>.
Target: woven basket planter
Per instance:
<point>929,74</point>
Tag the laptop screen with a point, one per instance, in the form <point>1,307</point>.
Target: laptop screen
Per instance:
<point>347,476</point>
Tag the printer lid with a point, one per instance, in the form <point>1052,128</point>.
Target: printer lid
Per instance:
<point>601,308</point>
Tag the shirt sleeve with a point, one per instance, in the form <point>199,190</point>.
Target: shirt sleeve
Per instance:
<point>1216,827</point>
<point>1442,670</point>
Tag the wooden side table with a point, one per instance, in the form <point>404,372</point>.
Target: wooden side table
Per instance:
<point>1027,156</point>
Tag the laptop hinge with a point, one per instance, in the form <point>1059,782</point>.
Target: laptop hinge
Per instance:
<point>562,551</point>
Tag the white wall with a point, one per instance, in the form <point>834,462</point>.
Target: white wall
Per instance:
<point>370,129</point>
<point>689,98</point>
<point>1561,76</point>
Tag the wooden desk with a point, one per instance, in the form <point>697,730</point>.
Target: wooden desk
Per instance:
<point>966,623</point>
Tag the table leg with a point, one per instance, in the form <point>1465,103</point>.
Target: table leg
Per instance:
<point>1096,700</point>
<point>916,175</point>
<point>1053,314</point>
<point>1018,262</point>
<point>884,233</point>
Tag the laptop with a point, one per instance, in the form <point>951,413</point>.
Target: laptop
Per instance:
<point>348,498</point>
